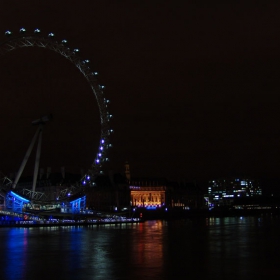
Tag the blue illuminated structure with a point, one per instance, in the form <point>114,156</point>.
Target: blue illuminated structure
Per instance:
<point>78,204</point>
<point>151,207</point>
<point>15,202</point>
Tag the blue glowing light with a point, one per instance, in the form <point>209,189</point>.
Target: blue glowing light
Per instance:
<point>151,207</point>
<point>18,197</point>
<point>77,200</point>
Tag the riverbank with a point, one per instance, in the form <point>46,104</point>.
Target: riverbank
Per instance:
<point>59,223</point>
<point>172,214</point>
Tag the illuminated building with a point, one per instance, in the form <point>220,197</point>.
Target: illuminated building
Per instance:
<point>223,191</point>
<point>150,195</point>
<point>154,193</point>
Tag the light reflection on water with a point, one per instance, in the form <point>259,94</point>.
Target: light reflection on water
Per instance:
<point>214,248</point>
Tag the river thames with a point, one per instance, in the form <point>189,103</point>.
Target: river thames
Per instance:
<point>213,248</point>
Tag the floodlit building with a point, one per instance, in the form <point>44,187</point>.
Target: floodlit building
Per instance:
<point>147,194</point>
<point>157,193</point>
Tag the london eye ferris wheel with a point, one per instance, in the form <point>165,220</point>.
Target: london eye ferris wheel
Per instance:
<point>23,39</point>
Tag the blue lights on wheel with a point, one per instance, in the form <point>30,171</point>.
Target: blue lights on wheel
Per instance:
<point>8,33</point>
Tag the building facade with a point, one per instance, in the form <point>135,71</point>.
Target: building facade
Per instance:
<point>222,192</point>
<point>148,196</point>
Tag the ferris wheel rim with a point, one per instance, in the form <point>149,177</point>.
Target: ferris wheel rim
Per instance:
<point>24,40</point>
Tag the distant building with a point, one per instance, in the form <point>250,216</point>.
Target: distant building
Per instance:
<point>188,196</point>
<point>155,193</point>
<point>110,193</point>
<point>148,193</point>
<point>222,192</point>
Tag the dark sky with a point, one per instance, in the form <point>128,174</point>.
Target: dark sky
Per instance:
<point>193,85</point>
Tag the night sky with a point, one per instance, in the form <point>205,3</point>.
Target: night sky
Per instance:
<point>193,86</point>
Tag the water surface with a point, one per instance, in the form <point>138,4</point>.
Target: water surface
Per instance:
<point>215,248</point>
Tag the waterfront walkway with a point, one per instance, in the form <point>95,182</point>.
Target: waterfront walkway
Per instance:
<point>55,223</point>
<point>13,219</point>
